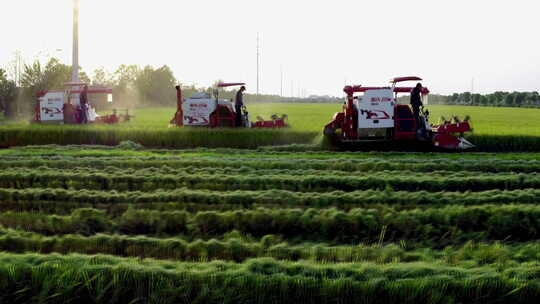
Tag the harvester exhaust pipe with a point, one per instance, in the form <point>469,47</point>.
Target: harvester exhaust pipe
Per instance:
<point>178,118</point>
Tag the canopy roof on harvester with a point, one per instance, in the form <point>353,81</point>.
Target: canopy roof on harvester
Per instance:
<point>359,89</point>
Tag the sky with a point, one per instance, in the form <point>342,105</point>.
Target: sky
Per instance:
<point>318,46</point>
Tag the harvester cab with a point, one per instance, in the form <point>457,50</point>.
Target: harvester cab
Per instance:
<point>203,110</point>
<point>376,116</point>
<point>65,107</point>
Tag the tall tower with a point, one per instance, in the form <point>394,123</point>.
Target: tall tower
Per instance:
<point>75,64</point>
<point>258,64</point>
<point>281,83</point>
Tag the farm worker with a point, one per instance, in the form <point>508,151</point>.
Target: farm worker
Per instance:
<point>84,105</point>
<point>239,103</point>
<point>416,102</point>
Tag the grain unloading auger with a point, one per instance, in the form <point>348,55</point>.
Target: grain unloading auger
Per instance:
<point>376,116</point>
<point>205,111</point>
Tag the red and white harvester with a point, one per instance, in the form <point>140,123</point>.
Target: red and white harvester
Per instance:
<point>64,106</point>
<point>203,110</point>
<point>376,116</point>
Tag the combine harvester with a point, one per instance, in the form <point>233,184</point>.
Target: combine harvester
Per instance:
<point>376,117</point>
<point>202,110</point>
<point>64,107</point>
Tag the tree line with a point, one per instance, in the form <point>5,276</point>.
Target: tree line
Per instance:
<point>148,86</point>
<point>497,99</point>
<point>133,86</point>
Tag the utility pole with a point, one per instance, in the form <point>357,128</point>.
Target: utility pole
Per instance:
<point>17,68</point>
<point>75,63</point>
<point>472,91</point>
<point>258,60</point>
<point>292,88</point>
<point>281,83</point>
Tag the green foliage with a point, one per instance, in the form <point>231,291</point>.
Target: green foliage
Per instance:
<point>129,145</point>
<point>155,86</point>
<point>37,77</point>
<point>8,95</point>
<point>497,99</point>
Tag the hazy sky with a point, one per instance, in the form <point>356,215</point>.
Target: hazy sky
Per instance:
<point>320,44</point>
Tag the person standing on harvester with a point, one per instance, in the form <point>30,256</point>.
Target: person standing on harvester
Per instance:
<point>416,102</point>
<point>84,104</point>
<point>239,103</point>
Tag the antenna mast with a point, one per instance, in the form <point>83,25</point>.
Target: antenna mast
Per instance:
<point>75,64</point>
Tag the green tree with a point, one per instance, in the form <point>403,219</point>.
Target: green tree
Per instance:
<point>509,100</point>
<point>156,86</point>
<point>8,95</point>
<point>125,77</point>
<point>52,76</point>
<point>103,78</point>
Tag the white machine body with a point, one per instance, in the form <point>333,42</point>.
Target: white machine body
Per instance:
<point>198,108</point>
<point>376,109</point>
<point>51,106</point>
<point>197,111</point>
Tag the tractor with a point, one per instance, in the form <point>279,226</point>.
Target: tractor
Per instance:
<point>203,110</point>
<point>377,117</point>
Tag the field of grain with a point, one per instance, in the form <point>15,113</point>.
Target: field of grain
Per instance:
<point>313,117</point>
<point>495,129</point>
<point>98,224</point>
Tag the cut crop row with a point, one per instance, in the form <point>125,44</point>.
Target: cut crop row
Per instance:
<point>100,279</point>
<point>340,199</point>
<point>64,208</point>
<point>449,224</point>
<point>346,165</point>
<point>237,249</point>
<point>304,183</point>
<point>191,170</point>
